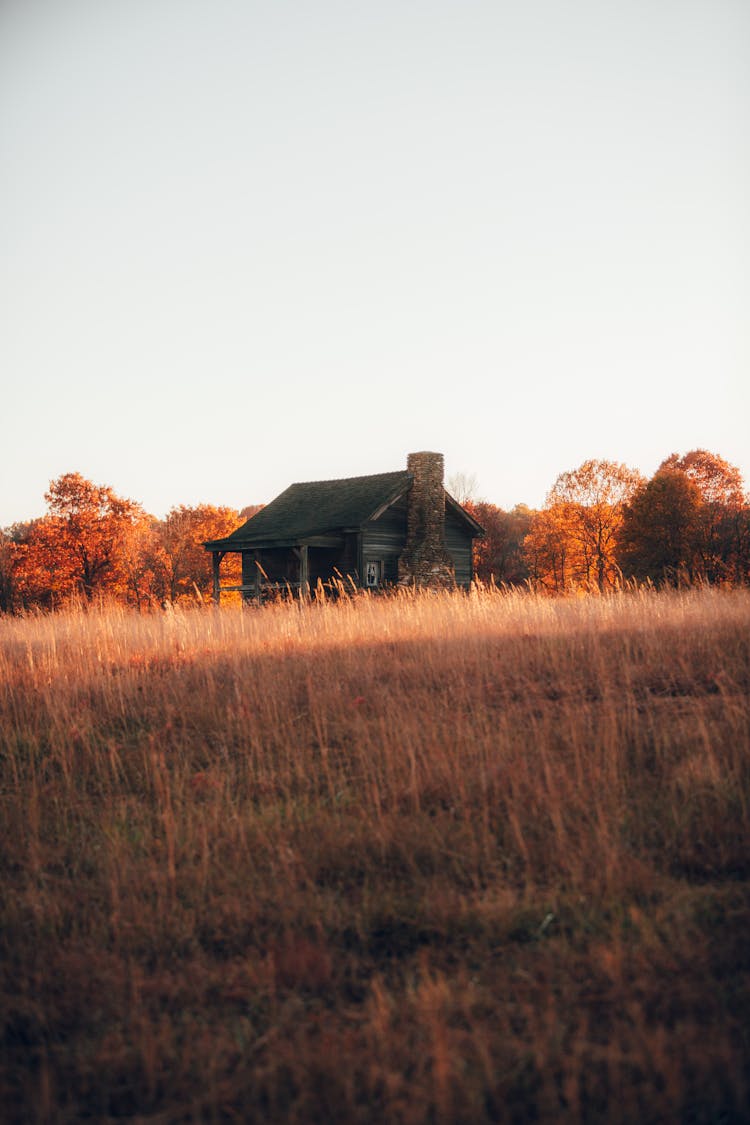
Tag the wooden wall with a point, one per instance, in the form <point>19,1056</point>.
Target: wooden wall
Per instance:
<point>458,546</point>
<point>384,539</point>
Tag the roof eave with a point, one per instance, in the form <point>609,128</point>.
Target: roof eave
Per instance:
<point>461,511</point>
<point>310,539</point>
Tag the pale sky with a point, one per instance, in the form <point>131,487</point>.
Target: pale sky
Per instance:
<point>243,244</point>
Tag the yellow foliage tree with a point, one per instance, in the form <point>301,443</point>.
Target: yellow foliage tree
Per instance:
<point>572,542</point>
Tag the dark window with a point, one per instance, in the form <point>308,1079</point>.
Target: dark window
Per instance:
<point>373,571</point>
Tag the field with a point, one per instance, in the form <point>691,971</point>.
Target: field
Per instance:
<point>437,858</point>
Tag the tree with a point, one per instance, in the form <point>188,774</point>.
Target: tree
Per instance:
<point>498,555</point>
<point>721,532</point>
<point>661,529</point>
<point>718,481</point>
<point>463,487</point>
<point>550,550</point>
<point>182,563</point>
<point>78,545</point>
<point>25,581</point>
<point>573,540</point>
<point>138,562</point>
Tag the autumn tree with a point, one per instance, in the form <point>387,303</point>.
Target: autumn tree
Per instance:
<point>181,561</point>
<point>498,554</point>
<point>689,523</point>
<point>79,544</point>
<point>572,542</point>
<point>718,481</point>
<point>549,550</point>
<point>138,562</point>
<point>661,527</point>
<point>721,536</point>
<point>24,581</point>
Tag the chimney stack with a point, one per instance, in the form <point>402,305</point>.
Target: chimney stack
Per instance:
<point>425,561</point>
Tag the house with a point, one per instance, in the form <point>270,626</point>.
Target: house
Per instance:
<point>376,531</point>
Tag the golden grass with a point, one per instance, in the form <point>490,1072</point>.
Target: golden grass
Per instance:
<point>430,858</point>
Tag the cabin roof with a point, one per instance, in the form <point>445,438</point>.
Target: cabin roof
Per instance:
<point>312,508</point>
<point>320,507</point>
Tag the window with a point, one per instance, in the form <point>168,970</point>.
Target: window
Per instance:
<point>372,574</point>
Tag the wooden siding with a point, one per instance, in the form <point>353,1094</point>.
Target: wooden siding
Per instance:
<point>383,539</point>
<point>347,562</point>
<point>458,546</point>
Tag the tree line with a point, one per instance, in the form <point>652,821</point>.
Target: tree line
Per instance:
<point>601,524</point>
<point>92,543</point>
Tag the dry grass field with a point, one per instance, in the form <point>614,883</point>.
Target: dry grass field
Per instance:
<point>440,858</point>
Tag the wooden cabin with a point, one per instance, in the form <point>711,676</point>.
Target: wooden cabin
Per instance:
<point>374,531</point>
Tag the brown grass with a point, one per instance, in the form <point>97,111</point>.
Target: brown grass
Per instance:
<point>436,858</point>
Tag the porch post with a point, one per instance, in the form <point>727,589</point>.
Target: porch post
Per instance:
<point>258,576</point>
<point>304,571</point>
<point>216,557</point>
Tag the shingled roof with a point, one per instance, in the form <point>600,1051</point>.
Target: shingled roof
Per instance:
<point>319,507</point>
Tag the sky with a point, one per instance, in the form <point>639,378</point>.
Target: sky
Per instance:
<point>244,244</point>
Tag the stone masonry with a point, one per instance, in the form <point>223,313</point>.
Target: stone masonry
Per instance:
<point>425,561</point>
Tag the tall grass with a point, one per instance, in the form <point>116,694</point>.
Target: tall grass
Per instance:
<point>432,858</point>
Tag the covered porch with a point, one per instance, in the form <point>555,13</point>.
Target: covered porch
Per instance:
<point>291,567</point>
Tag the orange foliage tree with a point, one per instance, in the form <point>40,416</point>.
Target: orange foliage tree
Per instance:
<point>25,577</point>
<point>138,562</point>
<point>549,549</point>
<point>572,542</point>
<point>181,564</point>
<point>77,548</point>
<point>690,522</point>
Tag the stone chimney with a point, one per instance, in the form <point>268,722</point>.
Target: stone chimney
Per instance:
<point>425,561</point>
